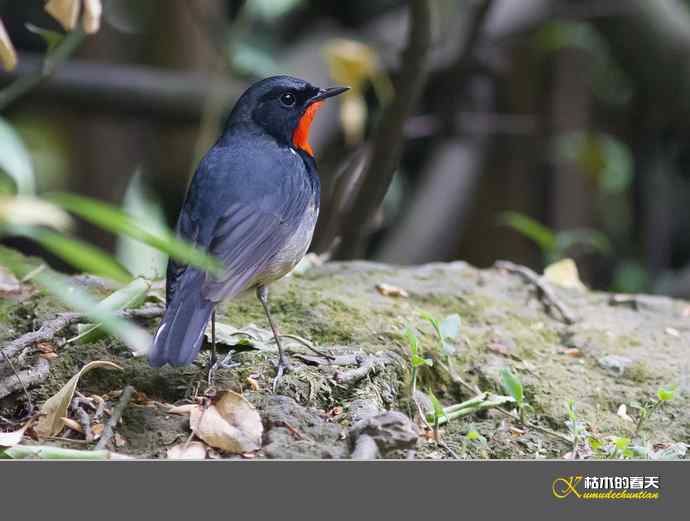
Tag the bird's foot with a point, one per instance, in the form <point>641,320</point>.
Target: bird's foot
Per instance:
<point>215,364</point>
<point>281,368</point>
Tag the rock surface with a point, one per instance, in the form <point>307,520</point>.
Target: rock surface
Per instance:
<point>337,306</point>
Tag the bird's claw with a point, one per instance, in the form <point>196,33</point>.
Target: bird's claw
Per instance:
<point>225,363</point>
<point>281,368</point>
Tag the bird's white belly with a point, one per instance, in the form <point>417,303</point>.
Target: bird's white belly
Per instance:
<point>293,251</point>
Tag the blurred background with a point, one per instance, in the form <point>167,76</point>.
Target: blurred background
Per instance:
<point>528,130</point>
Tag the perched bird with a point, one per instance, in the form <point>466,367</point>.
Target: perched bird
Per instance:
<point>252,203</point>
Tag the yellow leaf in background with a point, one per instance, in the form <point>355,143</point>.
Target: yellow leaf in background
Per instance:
<point>64,11</point>
<point>7,53</point>
<point>353,64</point>
<point>93,9</point>
<point>54,410</point>
<point>564,273</point>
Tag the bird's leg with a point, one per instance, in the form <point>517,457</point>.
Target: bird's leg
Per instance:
<point>214,355</point>
<point>214,363</point>
<point>262,295</point>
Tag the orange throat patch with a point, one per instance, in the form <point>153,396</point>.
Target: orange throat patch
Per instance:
<point>300,137</point>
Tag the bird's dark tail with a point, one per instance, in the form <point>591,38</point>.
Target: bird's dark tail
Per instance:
<point>181,332</point>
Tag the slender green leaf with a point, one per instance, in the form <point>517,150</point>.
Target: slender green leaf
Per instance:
<point>15,160</point>
<point>530,228</point>
<point>426,316</point>
<point>116,221</point>
<point>412,341</point>
<point>418,361</point>
<point>129,297</point>
<point>52,38</point>
<point>79,254</point>
<point>59,453</point>
<point>139,258</point>
<point>439,411</point>
<point>137,339</point>
<point>593,239</point>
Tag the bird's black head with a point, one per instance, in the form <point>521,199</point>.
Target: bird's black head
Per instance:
<point>284,107</point>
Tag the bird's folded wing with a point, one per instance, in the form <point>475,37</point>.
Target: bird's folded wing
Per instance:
<point>247,237</point>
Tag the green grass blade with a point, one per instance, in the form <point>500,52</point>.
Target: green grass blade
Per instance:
<point>81,255</point>
<point>116,221</point>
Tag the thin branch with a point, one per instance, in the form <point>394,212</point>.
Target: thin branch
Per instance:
<point>388,143</point>
<point>28,377</point>
<point>23,84</point>
<point>48,331</point>
<point>21,383</point>
<point>119,408</point>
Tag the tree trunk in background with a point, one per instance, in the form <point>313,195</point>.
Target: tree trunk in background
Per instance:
<point>107,150</point>
<point>181,42</point>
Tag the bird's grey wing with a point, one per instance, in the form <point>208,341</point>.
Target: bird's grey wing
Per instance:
<point>251,233</point>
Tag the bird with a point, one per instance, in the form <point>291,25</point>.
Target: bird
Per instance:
<point>252,203</point>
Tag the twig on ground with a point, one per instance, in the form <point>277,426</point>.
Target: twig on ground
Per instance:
<point>47,331</point>
<point>109,429</point>
<point>25,378</point>
<point>30,405</point>
<point>50,329</point>
<point>368,365</point>
<point>546,293</point>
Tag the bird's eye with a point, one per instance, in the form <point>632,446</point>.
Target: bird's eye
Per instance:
<point>288,99</point>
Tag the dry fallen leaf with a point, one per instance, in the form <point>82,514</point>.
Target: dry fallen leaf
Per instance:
<point>388,290</point>
<point>499,348</point>
<point>570,351</point>
<point>120,440</point>
<point>230,424</point>
<point>182,410</point>
<point>8,55</point>
<point>564,273</point>
<point>55,407</point>
<point>252,383</point>
<point>623,413</point>
<point>72,424</point>
<point>45,347</point>
<point>191,450</point>
<point>673,332</point>
<point>64,11</point>
<point>97,430</point>
<point>9,439</point>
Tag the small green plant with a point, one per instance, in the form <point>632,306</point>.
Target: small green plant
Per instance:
<point>621,448</point>
<point>577,428</point>
<point>446,330</point>
<point>513,386</point>
<point>439,412</point>
<point>416,359</point>
<point>664,394</point>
